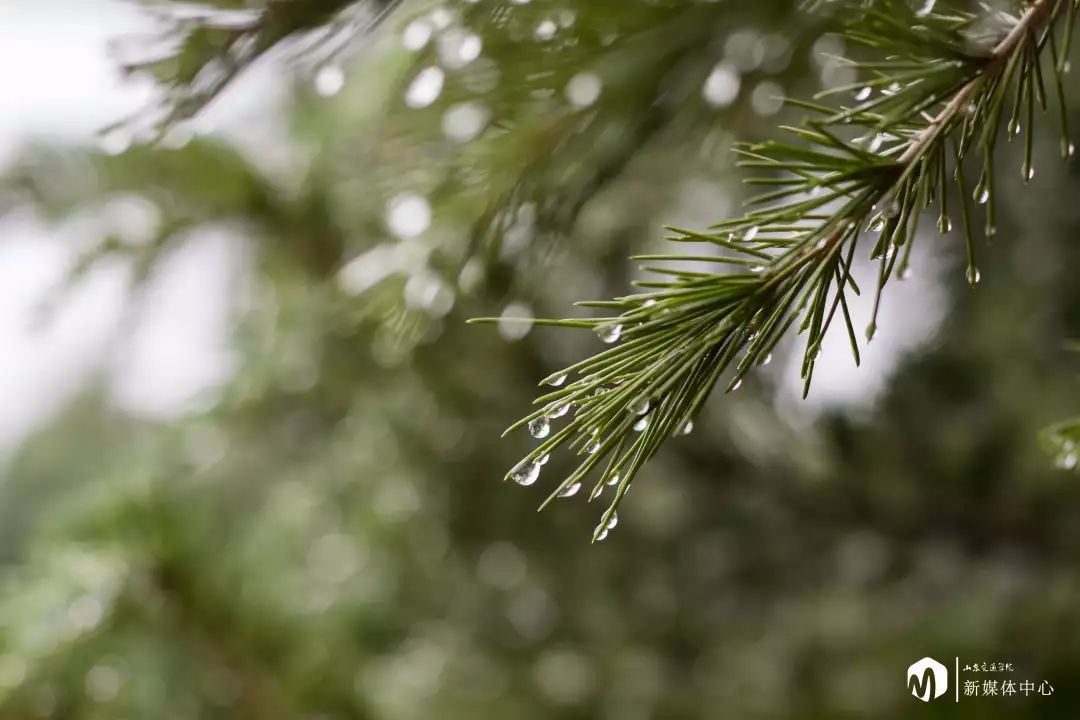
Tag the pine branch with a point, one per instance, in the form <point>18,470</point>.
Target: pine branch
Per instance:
<point>936,89</point>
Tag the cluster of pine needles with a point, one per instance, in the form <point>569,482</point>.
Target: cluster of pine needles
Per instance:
<point>936,85</point>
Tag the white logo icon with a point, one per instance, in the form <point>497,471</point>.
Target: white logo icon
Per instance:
<point>928,679</point>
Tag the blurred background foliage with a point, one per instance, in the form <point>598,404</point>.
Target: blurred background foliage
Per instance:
<point>325,534</point>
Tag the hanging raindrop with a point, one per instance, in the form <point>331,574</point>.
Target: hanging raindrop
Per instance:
<point>540,428</point>
<point>735,385</point>
<point>329,80</point>
<point>612,521</point>
<point>526,473</point>
<point>1027,172</point>
<point>609,333</point>
<point>982,195</point>
<point>1066,460</point>
<point>557,381</point>
<point>944,224</point>
<point>557,410</point>
<point>905,272</point>
<point>973,275</point>
<point>570,490</point>
<point>687,427</point>
<point>602,535</point>
<point>641,424</point>
<point>864,93</point>
<point>639,406</point>
<point>543,460</point>
<point>751,233</point>
<point>614,479</point>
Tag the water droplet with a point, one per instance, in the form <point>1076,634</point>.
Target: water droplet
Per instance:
<point>596,491</point>
<point>601,536</point>
<point>425,87</point>
<point>408,215</point>
<point>593,447</point>
<point>459,47</point>
<point>463,121</point>
<point>526,473</point>
<point>557,381</point>
<point>329,80</point>
<point>515,323</point>
<point>609,333</point>
<point>991,230</point>
<point>649,303</point>
<point>686,428</point>
<point>926,9</point>
<point>1071,150</point>
<point>584,89</point>
<point>416,35</point>
<point>721,86</point>
<point>557,410</point>
<point>546,30</point>
<point>540,428</point>
<point>612,521</point>
<point>570,490</point>
<point>892,209</point>
<point>1066,460</point>
<point>973,275</point>
<point>751,233</point>
<point>735,385</point>
<point>944,224</point>
<point>864,93</point>
<point>757,269</point>
<point>766,360</point>
<point>641,424</point>
<point>982,195</point>
<point>1014,127</point>
<point>1066,67</point>
<point>1027,173</point>
<point>543,460</point>
<point>614,480</point>
<point>905,272</point>
<point>639,406</point>
<point>877,224</point>
<point>876,143</point>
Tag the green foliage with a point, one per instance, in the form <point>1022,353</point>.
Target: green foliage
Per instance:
<point>326,540</point>
<point>935,87</point>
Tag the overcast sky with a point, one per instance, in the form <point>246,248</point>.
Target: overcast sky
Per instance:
<point>59,85</point>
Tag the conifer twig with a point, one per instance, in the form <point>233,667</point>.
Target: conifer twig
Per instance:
<point>791,259</point>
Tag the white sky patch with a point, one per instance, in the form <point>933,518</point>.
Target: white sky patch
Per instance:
<point>60,85</point>
<point>911,312</point>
